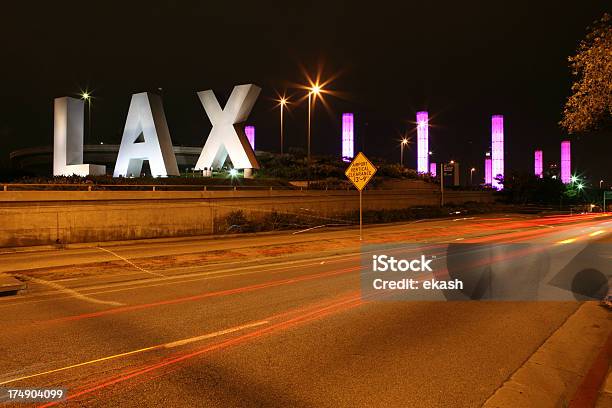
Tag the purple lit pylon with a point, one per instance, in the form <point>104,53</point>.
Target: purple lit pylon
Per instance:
<point>497,150</point>
<point>433,169</point>
<point>250,134</point>
<point>422,142</point>
<point>566,162</point>
<point>347,137</point>
<point>488,171</point>
<point>539,163</point>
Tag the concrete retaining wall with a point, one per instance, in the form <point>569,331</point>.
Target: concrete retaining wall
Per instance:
<point>48,217</point>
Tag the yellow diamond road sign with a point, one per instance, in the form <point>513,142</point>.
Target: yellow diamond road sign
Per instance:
<point>360,171</point>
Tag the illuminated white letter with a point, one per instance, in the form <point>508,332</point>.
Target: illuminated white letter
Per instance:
<point>146,137</point>
<point>227,136</point>
<point>68,139</point>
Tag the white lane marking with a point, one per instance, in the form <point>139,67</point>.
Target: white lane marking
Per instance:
<point>130,262</point>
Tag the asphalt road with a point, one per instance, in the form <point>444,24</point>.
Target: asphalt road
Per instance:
<point>275,320</point>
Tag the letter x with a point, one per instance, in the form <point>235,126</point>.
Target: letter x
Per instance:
<point>227,136</point>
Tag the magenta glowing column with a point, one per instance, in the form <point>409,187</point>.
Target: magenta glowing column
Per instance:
<point>250,134</point>
<point>347,137</point>
<point>539,163</point>
<point>566,162</point>
<point>422,142</point>
<point>497,150</point>
<point>433,169</point>
<point>488,170</point>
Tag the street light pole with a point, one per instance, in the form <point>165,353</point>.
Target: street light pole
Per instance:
<point>89,118</point>
<point>472,170</point>
<point>441,184</point>
<point>86,96</point>
<point>402,144</point>
<point>283,101</point>
<point>309,108</point>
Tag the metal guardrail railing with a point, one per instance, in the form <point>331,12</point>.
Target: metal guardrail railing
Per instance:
<point>142,187</point>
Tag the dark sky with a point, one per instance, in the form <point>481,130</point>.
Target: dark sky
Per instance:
<point>462,61</point>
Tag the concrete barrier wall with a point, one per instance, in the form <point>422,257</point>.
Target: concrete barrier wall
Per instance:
<point>48,217</point>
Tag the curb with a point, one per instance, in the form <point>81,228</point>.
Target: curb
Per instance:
<point>587,393</point>
<point>554,374</point>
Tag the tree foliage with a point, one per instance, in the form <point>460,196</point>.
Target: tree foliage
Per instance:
<point>590,105</point>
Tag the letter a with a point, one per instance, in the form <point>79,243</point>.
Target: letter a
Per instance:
<point>68,140</point>
<point>146,137</point>
<point>227,136</point>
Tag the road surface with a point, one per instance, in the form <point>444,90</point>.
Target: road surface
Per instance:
<point>270,320</point>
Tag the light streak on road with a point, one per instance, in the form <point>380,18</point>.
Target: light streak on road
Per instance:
<point>226,292</point>
<point>317,314</point>
<point>130,262</point>
<point>567,241</point>
<point>70,292</point>
<point>142,350</point>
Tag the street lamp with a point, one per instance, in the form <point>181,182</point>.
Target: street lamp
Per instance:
<point>313,92</point>
<point>282,102</point>
<point>600,183</point>
<point>472,170</point>
<point>574,179</point>
<point>86,96</point>
<point>404,143</point>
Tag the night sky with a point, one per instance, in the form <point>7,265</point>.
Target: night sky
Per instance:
<point>461,61</point>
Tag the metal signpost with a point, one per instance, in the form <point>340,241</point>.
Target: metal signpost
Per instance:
<point>360,172</point>
<point>608,195</point>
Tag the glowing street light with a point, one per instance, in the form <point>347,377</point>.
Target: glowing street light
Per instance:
<point>314,91</point>
<point>86,96</point>
<point>233,172</point>
<point>282,103</point>
<point>600,183</point>
<point>472,170</point>
<point>402,144</point>
<point>574,179</point>
<point>580,186</point>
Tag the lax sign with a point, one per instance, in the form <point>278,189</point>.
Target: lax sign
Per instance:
<point>146,135</point>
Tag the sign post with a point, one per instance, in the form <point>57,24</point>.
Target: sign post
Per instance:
<point>608,195</point>
<point>360,172</point>
<point>441,184</point>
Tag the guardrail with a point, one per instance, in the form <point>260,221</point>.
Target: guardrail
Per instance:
<point>142,187</point>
